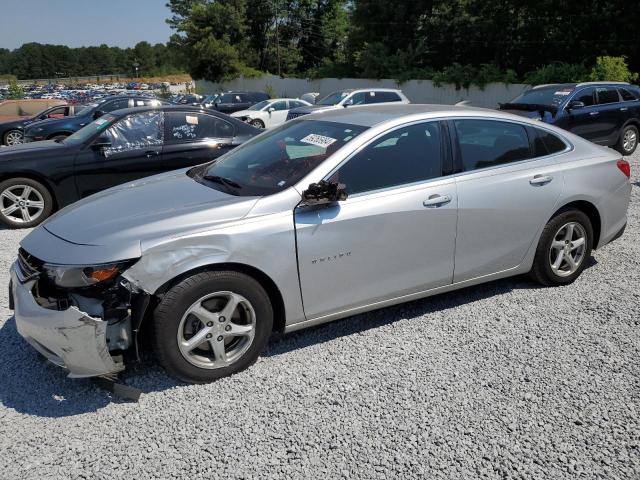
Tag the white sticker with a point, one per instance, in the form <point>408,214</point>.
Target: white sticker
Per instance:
<point>192,120</point>
<point>563,92</point>
<point>140,103</point>
<point>319,140</point>
<point>101,121</point>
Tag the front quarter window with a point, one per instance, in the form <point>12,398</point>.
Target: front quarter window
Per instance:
<point>278,158</point>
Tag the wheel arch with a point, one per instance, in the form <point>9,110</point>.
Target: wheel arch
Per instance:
<point>53,135</point>
<point>591,211</point>
<point>35,177</point>
<point>275,296</point>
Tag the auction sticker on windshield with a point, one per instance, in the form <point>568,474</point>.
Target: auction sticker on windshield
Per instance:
<point>319,140</point>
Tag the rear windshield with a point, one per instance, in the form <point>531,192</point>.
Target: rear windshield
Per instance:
<point>544,96</point>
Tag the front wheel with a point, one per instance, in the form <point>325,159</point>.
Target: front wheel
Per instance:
<point>564,248</point>
<point>24,203</point>
<point>628,141</point>
<point>212,325</point>
<point>13,137</point>
<point>257,123</point>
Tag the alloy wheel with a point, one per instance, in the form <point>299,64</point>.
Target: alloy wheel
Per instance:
<point>216,330</point>
<point>629,140</point>
<point>568,248</point>
<point>21,203</point>
<point>14,138</point>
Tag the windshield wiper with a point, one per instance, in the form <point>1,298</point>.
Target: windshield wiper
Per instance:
<point>222,180</point>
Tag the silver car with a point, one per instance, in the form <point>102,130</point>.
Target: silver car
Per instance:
<point>319,219</point>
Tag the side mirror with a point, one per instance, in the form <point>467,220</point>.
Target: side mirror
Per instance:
<point>348,103</point>
<point>97,114</point>
<point>575,105</point>
<point>270,110</point>
<point>101,143</point>
<point>324,192</point>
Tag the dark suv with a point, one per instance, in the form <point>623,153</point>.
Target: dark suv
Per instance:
<point>230,102</point>
<point>84,115</point>
<point>607,113</point>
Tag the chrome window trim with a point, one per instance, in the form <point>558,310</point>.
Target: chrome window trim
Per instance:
<point>569,146</point>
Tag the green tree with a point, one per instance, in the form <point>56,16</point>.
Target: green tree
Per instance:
<point>16,91</point>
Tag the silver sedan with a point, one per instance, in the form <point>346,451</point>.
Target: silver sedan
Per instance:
<point>324,217</point>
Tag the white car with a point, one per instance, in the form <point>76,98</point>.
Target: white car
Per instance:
<point>269,113</point>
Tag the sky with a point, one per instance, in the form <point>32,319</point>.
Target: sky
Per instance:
<point>76,23</point>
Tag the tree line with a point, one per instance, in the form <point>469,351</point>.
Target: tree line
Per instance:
<point>464,40</point>
<point>35,60</point>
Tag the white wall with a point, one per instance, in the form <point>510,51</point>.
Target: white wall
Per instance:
<point>418,91</point>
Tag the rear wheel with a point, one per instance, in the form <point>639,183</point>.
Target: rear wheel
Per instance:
<point>211,325</point>
<point>628,141</point>
<point>563,250</point>
<point>13,137</point>
<point>24,203</point>
<point>59,137</point>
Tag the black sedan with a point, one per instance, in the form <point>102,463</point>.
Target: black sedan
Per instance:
<point>12,132</point>
<point>39,178</point>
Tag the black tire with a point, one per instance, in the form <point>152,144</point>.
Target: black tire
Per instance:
<point>12,220</point>
<point>14,132</point>
<point>257,123</point>
<point>176,302</point>
<point>542,271</point>
<point>628,146</point>
<point>58,136</point>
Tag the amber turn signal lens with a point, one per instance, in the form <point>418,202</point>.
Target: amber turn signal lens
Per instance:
<point>103,274</point>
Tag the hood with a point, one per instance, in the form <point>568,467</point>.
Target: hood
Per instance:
<point>314,108</point>
<point>155,207</point>
<point>17,123</point>
<point>523,113</point>
<point>17,150</point>
<point>245,113</point>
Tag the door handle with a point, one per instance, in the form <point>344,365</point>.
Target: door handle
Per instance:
<point>436,201</point>
<point>624,109</point>
<point>151,153</point>
<point>593,114</point>
<point>540,179</point>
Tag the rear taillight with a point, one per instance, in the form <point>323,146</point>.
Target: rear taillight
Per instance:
<point>624,167</point>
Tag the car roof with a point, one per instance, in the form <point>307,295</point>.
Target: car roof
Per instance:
<point>376,114</point>
<point>575,85</point>
<point>168,108</point>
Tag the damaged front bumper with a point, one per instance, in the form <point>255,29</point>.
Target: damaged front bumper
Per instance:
<point>68,337</point>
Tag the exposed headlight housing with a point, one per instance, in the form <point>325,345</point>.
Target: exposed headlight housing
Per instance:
<point>78,276</point>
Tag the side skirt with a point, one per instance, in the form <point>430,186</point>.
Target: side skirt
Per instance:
<point>406,298</point>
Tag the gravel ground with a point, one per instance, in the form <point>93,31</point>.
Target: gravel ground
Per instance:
<point>504,380</point>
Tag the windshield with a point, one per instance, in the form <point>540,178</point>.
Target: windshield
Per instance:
<point>260,105</point>
<point>277,159</point>
<point>84,109</point>
<point>85,133</point>
<point>333,98</point>
<point>544,96</point>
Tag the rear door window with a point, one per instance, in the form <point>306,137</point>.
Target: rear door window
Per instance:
<point>184,127</point>
<point>626,95</point>
<point>116,105</point>
<point>546,143</point>
<point>607,95</point>
<point>488,143</point>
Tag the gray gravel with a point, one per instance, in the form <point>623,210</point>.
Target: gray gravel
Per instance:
<point>505,380</point>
